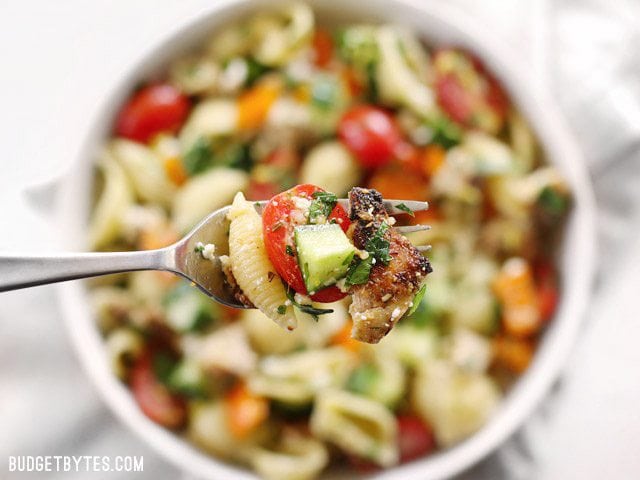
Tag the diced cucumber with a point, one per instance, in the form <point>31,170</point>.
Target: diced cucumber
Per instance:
<point>324,254</point>
<point>188,379</point>
<point>188,310</point>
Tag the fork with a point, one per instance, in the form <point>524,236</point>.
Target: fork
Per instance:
<point>183,258</point>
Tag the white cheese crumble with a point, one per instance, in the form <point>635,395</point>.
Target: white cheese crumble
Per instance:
<point>391,221</point>
<point>301,203</point>
<point>207,250</point>
<point>234,76</point>
<point>396,313</point>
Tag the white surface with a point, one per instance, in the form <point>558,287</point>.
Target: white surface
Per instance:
<point>59,59</point>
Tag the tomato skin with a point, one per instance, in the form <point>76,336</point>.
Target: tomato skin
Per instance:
<point>278,233</point>
<point>370,134</point>
<point>454,99</point>
<point>154,398</point>
<point>548,294</point>
<point>415,438</point>
<point>154,109</point>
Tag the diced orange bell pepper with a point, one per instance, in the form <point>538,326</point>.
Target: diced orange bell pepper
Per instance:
<point>396,183</point>
<point>343,338</point>
<point>322,47</point>
<point>512,353</point>
<point>433,158</point>
<point>175,170</point>
<point>516,291</point>
<point>245,410</point>
<point>254,104</point>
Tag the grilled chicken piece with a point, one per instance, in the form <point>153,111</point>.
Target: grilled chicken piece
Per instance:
<point>378,304</point>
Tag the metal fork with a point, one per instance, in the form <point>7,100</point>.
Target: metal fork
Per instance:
<point>183,258</point>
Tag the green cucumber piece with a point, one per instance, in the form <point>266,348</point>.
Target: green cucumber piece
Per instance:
<point>188,310</point>
<point>188,379</point>
<point>324,254</point>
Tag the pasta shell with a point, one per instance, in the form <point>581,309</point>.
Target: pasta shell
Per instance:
<point>251,266</point>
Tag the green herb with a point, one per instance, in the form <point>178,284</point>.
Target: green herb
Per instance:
<point>552,201</point>
<point>309,309</point>
<point>416,300</point>
<point>404,208</point>
<point>187,379</point>
<point>255,70</point>
<point>289,251</point>
<point>372,82</point>
<point>282,309</point>
<point>363,379</point>
<point>321,206</point>
<point>163,364</point>
<point>199,157</point>
<point>199,248</point>
<point>446,133</point>
<point>235,156</point>
<point>359,271</point>
<point>378,246</point>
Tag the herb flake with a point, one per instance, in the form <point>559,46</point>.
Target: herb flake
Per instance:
<point>404,208</point>
<point>309,309</point>
<point>282,309</point>
<point>321,206</point>
<point>289,250</point>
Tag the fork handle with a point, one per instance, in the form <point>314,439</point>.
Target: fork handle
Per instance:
<point>22,271</point>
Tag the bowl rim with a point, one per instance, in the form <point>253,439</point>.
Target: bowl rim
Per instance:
<point>553,352</point>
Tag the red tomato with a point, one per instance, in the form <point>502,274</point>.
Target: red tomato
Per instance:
<point>415,438</point>
<point>547,282</point>
<point>154,109</point>
<point>278,228</point>
<point>371,135</point>
<point>454,99</point>
<point>154,399</point>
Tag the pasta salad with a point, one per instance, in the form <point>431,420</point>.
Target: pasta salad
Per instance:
<point>276,102</point>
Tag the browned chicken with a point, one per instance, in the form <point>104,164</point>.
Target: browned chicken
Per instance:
<point>380,302</point>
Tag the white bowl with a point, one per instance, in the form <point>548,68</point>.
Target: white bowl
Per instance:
<point>438,24</point>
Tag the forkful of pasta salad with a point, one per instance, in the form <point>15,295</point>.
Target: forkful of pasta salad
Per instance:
<point>288,257</point>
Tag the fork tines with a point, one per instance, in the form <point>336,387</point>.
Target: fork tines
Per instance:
<point>392,206</point>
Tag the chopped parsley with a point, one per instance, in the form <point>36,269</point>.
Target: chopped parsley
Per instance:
<point>378,249</point>
<point>199,157</point>
<point>552,201</point>
<point>199,248</point>
<point>359,271</point>
<point>321,206</point>
<point>282,309</point>
<point>378,246</point>
<point>446,133</point>
<point>289,250</point>
<point>205,154</point>
<point>310,309</point>
<point>404,208</point>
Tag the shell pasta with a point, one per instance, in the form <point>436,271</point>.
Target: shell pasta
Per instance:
<point>251,266</point>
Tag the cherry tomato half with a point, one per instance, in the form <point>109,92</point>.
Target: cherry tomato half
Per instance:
<point>415,438</point>
<point>278,225</point>
<point>154,399</point>
<point>370,134</point>
<point>154,109</point>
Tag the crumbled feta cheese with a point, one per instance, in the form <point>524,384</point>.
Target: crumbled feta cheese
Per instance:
<point>208,250</point>
<point>342,285</point>
<point>301,203</point>
<point>391,221</point>
<point>302,299</point>
<point>234,75</point>
<point>396,313</point>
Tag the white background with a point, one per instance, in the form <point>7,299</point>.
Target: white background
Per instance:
<point>58,59</point>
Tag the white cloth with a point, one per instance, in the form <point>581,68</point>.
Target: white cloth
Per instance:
<point>60,58</point>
